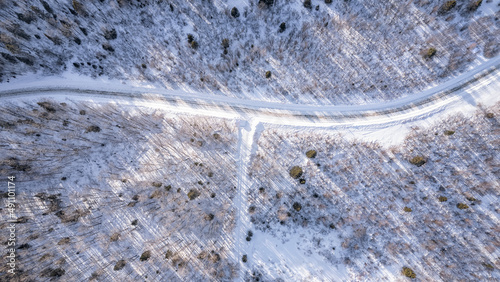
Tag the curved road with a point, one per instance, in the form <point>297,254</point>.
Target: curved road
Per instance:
<point>457,88</point>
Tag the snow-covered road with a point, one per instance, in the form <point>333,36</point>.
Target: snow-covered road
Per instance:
<point>483,74</point>
<point>374,122</point>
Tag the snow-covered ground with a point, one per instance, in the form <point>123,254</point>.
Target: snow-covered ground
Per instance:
<point>347,52</point>
<point>160,138</point>
<point>140,156</point>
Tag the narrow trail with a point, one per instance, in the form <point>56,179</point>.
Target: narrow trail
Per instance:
<point>246,144</point>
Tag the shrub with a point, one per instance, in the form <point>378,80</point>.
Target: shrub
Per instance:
<point>487,265</point>
<point>134,222</point>
<point>234,12</point>
<point>471,199</point>
<point>27,17</point>
<point>265,3</point>
<point>225,43</point>
<point>145,256</point>
<point>169,254</point>
<point>473,6</point>
<point>26,60</point>
<point>408,272</point>
<point>328,1</point>
<point>93,128</point>
<point>12,47</point>
<point>190,38</point>
<point>430,53</point>
<point>442,199</point>
<point>244,258</point>
<point>9,58</point>
<point>311,154</point>
<point>156,184</point>
<point>215,258</point>
<point>194,44</point>
<point>462,206</point>
<point>82,112</point>
<point>155,195</point>
<point>302,181</point>
<point>297,206</point>
<point>490,115</point>
<point>251,209</point>
<point>64,241</point>
<point>114,237</point>
<point>449,132</point>
<point>209,217</point>
<point>407,209</point>
<point>282,27</point>
<point>307,4</point>
<point>47,106</point>
<point>50,272</point>
<point>78,7</point>
<point>268,74</point>
<point>448,5</point>
<point>108,47</point>
<point>119,265</point>
<point>47,7</point>
<point>296,172</point>
<point>110,34</point>
<point>193,194</point>
<point>418,161</point>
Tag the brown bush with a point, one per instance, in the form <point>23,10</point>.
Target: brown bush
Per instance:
<point>408,272</point>
<point>145,256</point>
<point>418,161</point>
<point>474,5</point>
<point>311,154</point>
<point>296,172</point>
<point>448,5</point>
<point>119,265</point>
<point>193,194</point>
<point>429,53</point>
